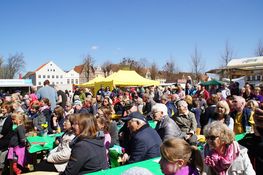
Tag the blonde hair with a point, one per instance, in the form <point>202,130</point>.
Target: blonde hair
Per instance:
<point>225,105</point>
<point>174,148</point>
<point>20,116</point>
<point>253,103</point>
<point>188,99</point>
<point>220,129</point>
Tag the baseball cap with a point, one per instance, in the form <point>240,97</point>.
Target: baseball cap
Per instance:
<point>135,115</point>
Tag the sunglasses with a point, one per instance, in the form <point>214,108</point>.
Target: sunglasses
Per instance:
<point>212,138</point>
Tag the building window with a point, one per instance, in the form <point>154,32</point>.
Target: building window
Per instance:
<point>53,83</point>
<point>53,76</point>
<point>39,76</point>
<point>48,76</point>
<point>258,77</point>
<point>61,76</point>
<point>53,70</point>
<point>253,78</point>
<point>56,76</point>
<point>76,81</point>
<point>47,69</point>
<point>50,64</point>
<point>57,82</point>
<point>44,76</point>
<point>61,82</point>
<point>39,83</point>
<point>72,81</point>
<point>68,81</point>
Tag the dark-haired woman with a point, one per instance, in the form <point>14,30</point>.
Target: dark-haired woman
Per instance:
<point>88,151</point>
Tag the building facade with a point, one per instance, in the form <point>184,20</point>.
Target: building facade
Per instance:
<point>50,71</point>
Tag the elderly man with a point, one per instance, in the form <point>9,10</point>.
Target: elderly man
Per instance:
<point>186,121</point>
<point>166,127</point>
<point>145,141</point>
<point>171,109</point>
<point>241,115</point>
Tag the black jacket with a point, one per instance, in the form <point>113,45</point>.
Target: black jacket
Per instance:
<point>7,133</point>
<point>87,155</point>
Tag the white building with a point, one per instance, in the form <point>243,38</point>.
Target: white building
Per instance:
<point>50,71</point>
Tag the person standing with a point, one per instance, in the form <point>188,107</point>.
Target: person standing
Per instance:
<point>62,97</point>
<point>48,92</point>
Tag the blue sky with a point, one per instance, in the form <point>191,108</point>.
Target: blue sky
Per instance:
<point>64,31</point>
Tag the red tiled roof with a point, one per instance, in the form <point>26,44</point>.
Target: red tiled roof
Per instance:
<point>79,68</point>
<point>28,74</point>
<point>40,67</point>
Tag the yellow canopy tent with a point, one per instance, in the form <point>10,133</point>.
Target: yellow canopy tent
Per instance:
<point>92,82</point>
<point>125,78</point>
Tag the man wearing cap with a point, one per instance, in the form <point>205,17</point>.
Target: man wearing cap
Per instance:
<point>165,127</point>
<point>145,141</point>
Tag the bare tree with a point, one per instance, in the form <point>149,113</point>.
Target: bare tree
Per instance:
<point>88,63</point>
<point>132,64</point>
<point>169,68</point>
<point>1,66</point>
<point>153,71</point>
<point>15,64</point>
<point>106,67</point>
<point>259,49</point>
<point>197,64</point>
<point>227,55</point>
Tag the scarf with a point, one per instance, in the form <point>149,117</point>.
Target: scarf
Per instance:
<point>220,163</point>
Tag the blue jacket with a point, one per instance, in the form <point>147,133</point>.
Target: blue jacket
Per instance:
<point>144,144</point>
<point>245,117</point>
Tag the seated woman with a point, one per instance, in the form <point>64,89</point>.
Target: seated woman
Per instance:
<point>58,157</point>
<point>179,158</point>
<point>57,119</point>
<point>88,151</point>
<point>222,154</point>
<point>222,114</point>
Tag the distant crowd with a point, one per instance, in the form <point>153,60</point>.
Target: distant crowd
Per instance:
<point>92,123</point>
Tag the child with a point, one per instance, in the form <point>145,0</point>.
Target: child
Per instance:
<point>103,125</point>
<point>179,158</point>
<point>16,150</point>
<point>38,117</point>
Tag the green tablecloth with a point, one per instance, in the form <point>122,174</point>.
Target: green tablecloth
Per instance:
<point>152,165</point>
<point>41,143</point>
<point>240,136</point>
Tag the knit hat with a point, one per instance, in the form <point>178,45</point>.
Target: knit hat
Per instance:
<point>77,102</point>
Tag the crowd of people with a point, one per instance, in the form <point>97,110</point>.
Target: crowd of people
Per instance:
<point>93,123</point>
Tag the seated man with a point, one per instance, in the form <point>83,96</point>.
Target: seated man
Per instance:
<point>145,141</point>
<point>186,121</point>
<point>166,127</point>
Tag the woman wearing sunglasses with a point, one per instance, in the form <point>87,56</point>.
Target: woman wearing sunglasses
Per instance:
<point>222,154</point>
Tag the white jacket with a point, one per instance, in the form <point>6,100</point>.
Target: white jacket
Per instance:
<point>61,154</point>
<point>241,165</point>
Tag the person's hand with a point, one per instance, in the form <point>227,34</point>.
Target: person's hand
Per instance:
<point>125,158</point>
